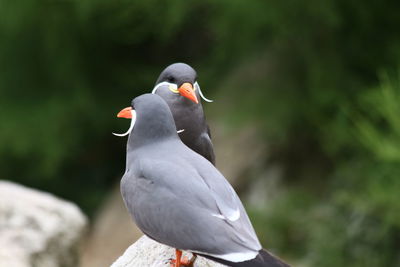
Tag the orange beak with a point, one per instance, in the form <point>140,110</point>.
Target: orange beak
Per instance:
<point>125,113</point>
<point>187,91</point>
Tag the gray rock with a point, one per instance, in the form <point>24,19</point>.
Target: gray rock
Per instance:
<point>147,252</point>
<point>38,229</point>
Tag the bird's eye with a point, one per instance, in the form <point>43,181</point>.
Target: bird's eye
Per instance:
<point>171,79</point>
<point>173,88</point>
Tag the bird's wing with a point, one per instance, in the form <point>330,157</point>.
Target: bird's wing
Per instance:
<point>228,202</point>
<point>175,206</point>
<point>206,147</point>
<point>209,131</point>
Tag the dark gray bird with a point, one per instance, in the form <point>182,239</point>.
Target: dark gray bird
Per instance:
<point>180,199</point>
<point>178,86</point>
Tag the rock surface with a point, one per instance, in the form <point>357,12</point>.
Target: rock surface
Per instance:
<point>38,229</point>
<point>146,252</point>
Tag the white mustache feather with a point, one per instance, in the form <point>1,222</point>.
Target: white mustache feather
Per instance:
<point>196,84</point>
<point>201,94</point>
<point>133,120</point>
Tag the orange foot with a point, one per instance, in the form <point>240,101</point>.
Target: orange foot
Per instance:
<point>182,262</point>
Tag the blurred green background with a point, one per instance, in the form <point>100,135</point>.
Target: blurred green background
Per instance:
<point>320,78</point>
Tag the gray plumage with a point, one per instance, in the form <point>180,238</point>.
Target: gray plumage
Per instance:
<point>187,114</point>
<point>176,196</point>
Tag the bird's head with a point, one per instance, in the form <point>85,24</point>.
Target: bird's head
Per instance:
<point>154,116</point>
<point>179,80</point>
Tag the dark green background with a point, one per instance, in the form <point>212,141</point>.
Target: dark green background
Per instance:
<point>320,77</point>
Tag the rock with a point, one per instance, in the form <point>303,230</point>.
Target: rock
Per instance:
<point>147,252</point>
<point>38,229</point>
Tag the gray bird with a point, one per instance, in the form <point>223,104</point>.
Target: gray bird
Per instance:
<point>178,86</point>
<point>179,198</point>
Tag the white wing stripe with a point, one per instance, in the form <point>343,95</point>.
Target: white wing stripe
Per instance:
<point>219,216</point>
<point>233,257</point>
<point>232,217</point>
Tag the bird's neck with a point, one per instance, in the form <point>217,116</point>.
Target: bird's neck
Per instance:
<point>138,139</point>
<point>152,128</point>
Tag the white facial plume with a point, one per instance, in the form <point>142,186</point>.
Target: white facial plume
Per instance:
<point>133,120</point>
<point>175,88</point>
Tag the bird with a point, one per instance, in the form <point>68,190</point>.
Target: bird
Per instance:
<point>178,86</point>
<point>178,198</point>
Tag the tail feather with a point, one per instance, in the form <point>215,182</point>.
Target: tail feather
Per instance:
<point>263,259</point>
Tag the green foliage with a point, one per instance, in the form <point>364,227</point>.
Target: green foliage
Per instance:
<point>306,72</point>
<point>353,218</point>
<point>314,90</point>
<point>67,68</point>
<point>381,108</point>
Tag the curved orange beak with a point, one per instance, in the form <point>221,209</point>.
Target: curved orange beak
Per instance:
<point>125,113</point>
<point>187,91</point>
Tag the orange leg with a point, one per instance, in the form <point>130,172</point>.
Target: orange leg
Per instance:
<point>177,261</point>
<point>178,258</point>
<point>182,262</point>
